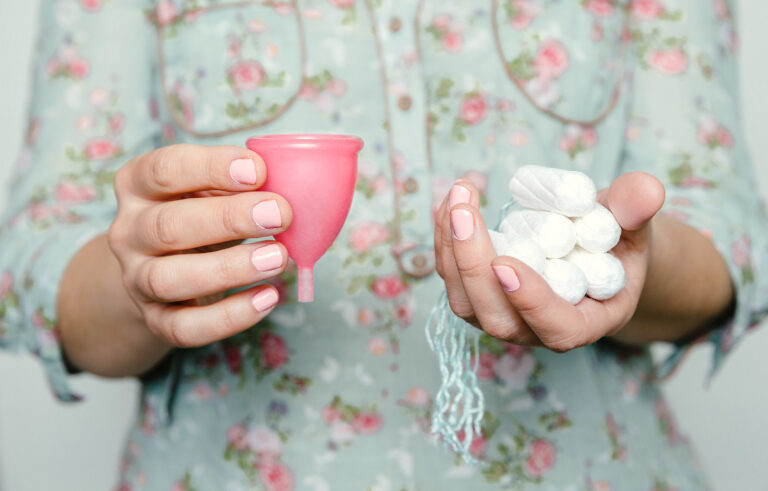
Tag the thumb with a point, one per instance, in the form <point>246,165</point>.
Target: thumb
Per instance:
<point>634,198</point>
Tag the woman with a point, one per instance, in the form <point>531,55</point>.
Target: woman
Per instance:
<point>338,394</point>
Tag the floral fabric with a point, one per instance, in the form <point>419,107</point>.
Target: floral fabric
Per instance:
<point>337,394</point>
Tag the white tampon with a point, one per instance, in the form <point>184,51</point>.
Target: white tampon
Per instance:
<point>552,232</point>
<point>604,272</point>
<point>522,249</point>
<point>598,230</point>
<point>565,279</point>
<point>570,193</point>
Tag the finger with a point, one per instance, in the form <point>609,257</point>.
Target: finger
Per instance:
<point>559,325</point>
<point>186,276</point>
<point>474,252</point>
<point>185,224</point>
<point>178,169</point>
<point>188,327</point>
<point>461,192</point>
<point>634,198</point>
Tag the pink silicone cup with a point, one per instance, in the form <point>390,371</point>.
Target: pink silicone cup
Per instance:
<point>316,174</point>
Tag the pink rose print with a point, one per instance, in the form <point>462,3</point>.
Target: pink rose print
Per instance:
<point>330,415</point>
<point>69,192</point>
<point>116,123</point>
<point>276,477</point>
<point>671,61</point>
<point>478,445</point>
<point>666,421</point>
<point>418,397</point>
<point>577,139</point>
<point>233,358</point>
<point>366,235</point>
<point>485,366</point>
<point>203,391</point>
<point>365,317</point>
<point>515,371</point>
<point>347,421</point>
<point>447,32</point>
<point>721,9</point>
<point>541,458</point>
<point>712,134</point>
<point>619,451</point>
<point>388,287</point>
<point>522,13</point>
<point>647,9</point>
<point>6,284</point>
<point>264,441</point>
<point>741,250</point>
<point>236,436</point>
<point>166,12</point>
<point>600,8</point>
<point>377,346</point>
<point>473,108</point>
<point>367,423</point>
<point>179,486</point>
<point>404,315</point>
<point>101,149</point>
<point>78,68</point>
<point>91,5</point>
<point>551,60</point>
<point>343,4</point>
<point>274,353</point>
<point>246,75</point>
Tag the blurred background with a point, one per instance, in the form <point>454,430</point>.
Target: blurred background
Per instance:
<point>77,447</point>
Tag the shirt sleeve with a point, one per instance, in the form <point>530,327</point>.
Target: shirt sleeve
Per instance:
<point>685,129</point>
<point>90,111</point>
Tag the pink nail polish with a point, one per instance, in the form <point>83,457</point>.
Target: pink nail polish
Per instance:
<point>243,171</point>
<point>459,194</point>
<point>507,277</point>
<point>267,214</point>
<point>265,299</point>
<point>267,258</point>
<point>463,224</point>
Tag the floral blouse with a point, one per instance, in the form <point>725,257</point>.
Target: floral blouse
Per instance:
<point>337,394</point>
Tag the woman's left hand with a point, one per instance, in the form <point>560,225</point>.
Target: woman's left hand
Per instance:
<point>510,301</point>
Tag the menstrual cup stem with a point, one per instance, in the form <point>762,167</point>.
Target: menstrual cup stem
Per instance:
<point>306,285</point>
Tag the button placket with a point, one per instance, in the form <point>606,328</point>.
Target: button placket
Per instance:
<point>404,86</point>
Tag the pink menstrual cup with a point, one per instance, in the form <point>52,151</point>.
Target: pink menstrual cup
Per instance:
<point>316,174</point>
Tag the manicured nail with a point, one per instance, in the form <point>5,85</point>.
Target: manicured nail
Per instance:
<point>507,277</point>
<point>267,214</point>
<point>243,171</point>
<point>459,194</point>
<point>267,258</point>
<point>265,299</point>
<point>463,224</point>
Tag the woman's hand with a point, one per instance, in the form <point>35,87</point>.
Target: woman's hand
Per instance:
<point>182,212</point>
<point>510,301</point>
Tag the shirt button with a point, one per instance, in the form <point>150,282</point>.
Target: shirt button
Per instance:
<point>395,24</point>
<point>411,185</point>
<point>404,102</point>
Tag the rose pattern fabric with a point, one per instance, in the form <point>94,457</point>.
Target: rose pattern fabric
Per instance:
<point>338,394</point>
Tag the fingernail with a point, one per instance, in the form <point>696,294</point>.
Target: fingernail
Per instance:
<point>267,214</point>
<point>459,194</point>
<point>265,299</point>
<point>243,171</point>
<point>507,277</point>
<point>462,224</point>
<point>267,258</point>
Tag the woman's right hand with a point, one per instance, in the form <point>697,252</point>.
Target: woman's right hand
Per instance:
<point>182,212</point>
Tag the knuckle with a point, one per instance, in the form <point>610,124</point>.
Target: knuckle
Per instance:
<point>461,308</point>
<point>227,271</point>
<point>228,321</point>
<point>178,333</point>
<point>499,326</point>
<point>161,168</point>
<point>563,344</point>
<point>164,227</point>
<point>471,269</point>
<point>231,213</point>
<point>156,282</point>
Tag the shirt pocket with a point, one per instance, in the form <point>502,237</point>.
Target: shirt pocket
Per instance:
<point>566,58</point>
<point>227,67</point>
